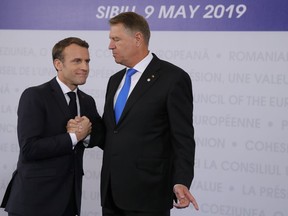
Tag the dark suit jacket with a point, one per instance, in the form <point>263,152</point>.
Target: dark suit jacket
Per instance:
<point>48,168</point>
<point>152,147</point>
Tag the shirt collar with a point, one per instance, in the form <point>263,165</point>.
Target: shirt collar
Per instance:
<point>63,87</point>
<point>142,65</point>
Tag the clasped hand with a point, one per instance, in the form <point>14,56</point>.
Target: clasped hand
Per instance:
<point>81,126</point>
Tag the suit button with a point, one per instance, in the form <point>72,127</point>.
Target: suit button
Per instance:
<point>115,131</point>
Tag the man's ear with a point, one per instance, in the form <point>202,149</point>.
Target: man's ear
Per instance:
<point>58,64</point>
<point>139,38</point>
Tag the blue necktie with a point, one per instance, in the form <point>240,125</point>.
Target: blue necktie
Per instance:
<point>123,94</point>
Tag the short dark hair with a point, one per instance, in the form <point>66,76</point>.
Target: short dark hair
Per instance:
<point>134,22</point>
<point>57,51</point>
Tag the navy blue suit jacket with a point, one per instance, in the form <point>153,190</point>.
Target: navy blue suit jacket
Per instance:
<point>48,168</point>
<point>152,147</point>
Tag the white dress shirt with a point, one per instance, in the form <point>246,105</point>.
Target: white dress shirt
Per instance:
<point>65,90</point>
<point>140,67</point>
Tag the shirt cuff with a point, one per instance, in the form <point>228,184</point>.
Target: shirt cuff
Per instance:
<point>86,141</point>
<point>73,139</point>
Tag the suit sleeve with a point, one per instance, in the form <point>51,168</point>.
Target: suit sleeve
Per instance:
<point>41,132</point>
<point>98,130</point>
<point>180,110</point>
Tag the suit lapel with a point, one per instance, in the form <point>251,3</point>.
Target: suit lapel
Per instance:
<point>59,97</point>
<point>112,88</point>
<point>148,78</point>
<point>83,102</point>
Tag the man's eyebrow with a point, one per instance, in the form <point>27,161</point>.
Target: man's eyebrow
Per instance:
<point>80,59</point>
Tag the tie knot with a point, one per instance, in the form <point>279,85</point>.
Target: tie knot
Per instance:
<point>130,72</point>
<point>72,95</point>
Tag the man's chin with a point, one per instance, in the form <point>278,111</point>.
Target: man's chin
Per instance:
<point>82,82</point>
<point>117,60</point>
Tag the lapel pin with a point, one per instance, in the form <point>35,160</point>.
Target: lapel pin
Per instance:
<point>148,79</point>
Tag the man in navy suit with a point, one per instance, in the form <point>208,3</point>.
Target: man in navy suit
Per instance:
<point>48,178</point>
<point>149,151</point>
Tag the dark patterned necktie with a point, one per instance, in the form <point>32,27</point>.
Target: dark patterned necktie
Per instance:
<point>72,104</point>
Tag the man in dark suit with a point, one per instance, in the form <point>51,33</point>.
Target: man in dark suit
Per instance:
<point>48,178</point>
<point>149,148</point>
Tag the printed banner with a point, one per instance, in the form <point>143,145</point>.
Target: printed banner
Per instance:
<point>163,15</point>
